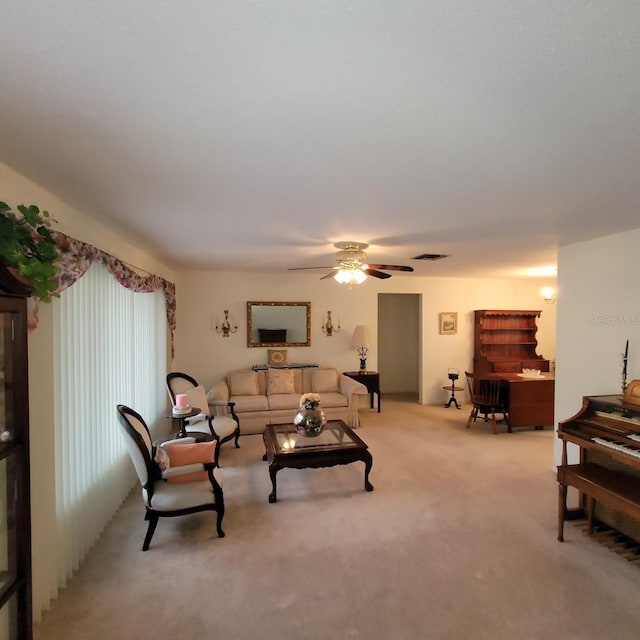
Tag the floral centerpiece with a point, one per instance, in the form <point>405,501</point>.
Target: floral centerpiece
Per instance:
<point>310,418</point>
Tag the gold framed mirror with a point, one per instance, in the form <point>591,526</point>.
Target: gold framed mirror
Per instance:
<point>278,324</point>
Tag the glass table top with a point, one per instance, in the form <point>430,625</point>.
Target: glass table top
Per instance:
<point>333,436</point>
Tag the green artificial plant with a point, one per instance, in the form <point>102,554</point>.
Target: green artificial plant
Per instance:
<point>27,245</point>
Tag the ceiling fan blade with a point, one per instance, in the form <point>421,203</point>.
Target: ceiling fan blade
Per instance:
<point>377,274</point>
<point>391,267</point>
<point>329,275</point>
<point>301,268</point>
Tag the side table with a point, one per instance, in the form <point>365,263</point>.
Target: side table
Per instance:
<point>181,419</point>
<point>452,387</point>
<point>370,379</point>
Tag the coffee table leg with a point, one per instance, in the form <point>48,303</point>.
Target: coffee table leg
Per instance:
<point>368,463</point>
<point>273,469</point>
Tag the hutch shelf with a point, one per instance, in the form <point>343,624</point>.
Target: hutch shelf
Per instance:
<point>505,342</point>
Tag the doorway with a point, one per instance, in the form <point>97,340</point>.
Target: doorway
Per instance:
<point>399,344</point>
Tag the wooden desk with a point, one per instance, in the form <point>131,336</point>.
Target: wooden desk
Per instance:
<point>529,401</point>
<point>370,379</point>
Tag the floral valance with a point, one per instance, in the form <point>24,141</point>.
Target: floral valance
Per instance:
<point>75,259</point>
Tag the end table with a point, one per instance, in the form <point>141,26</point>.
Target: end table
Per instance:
<point>370,379</point>
<point>181,420</point>
<point>452,387</point>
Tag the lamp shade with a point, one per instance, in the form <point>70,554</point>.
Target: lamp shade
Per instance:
<point>361,337</point>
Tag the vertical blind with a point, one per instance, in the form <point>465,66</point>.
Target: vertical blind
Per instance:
<point>110,348</point>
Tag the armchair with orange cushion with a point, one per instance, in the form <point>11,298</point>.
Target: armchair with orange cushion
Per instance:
<point>182,477</point>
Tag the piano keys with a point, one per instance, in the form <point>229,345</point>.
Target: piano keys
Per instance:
<point>607,432</point>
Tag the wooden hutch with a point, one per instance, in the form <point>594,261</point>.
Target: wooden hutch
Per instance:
<point>505,342</point>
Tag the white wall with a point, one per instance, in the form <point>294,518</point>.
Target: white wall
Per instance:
<point>15,189</point>
<point>598,310</point>
<point>208,356</point>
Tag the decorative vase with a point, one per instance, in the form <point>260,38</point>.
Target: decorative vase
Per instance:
<point>309,422</point>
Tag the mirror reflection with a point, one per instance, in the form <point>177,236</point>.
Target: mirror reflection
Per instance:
<point>278,324</point>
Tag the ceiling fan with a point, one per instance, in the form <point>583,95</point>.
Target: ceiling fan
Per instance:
<point>351,267</point>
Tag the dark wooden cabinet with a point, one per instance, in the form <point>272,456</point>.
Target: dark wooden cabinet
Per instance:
<point>15,513</point>
<point>505,342</point>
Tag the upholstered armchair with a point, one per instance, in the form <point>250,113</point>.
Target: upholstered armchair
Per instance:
<point>221,427</point>
<point>177,485</point>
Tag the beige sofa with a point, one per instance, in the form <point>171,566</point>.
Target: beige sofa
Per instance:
<point>273,396</point>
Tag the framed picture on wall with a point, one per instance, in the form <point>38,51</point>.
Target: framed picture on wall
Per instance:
<point>276,357</point>
<point>448,322</point>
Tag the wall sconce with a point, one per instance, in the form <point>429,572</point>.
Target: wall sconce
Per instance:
<point>360,342</point>
<point>328,326</point>
<point>226,327</point>
<point>549,295</point>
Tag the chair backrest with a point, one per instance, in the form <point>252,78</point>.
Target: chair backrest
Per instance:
<point>196,395</point>
<point>488,392</point>
<point>470,384</point>
<point>138,441</point>
<point>483,391</point>
<point>178,382</point>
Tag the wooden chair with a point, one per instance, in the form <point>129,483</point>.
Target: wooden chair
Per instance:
<point>162,498</point>
<point>486,399</point>
<point>221,427</point>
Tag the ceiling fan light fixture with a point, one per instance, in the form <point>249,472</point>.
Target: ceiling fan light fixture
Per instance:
<point>350,276</point>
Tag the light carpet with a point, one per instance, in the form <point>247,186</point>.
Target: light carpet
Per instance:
<point>458,540</point>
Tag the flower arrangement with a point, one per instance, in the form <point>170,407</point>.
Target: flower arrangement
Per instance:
<point>310,418</point>
<point>309,401</point>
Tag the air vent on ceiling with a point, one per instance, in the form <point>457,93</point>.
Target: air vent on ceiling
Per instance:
<point>430,256</point>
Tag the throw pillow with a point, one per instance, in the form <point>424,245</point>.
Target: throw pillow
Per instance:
<point>162,459</point>
<point>243,383</point>
<point>182,454</point>
<point>324,381</point>
<point>197,397</point>
<point>280,381</point>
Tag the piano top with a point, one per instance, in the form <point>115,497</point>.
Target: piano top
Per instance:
<point>605,422</point>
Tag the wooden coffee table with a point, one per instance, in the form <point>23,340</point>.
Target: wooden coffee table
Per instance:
<point>336,444</point>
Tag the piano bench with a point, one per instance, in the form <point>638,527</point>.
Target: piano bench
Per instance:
<point>616,489</point>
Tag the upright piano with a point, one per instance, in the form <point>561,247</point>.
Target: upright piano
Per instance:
<point>607,430</point>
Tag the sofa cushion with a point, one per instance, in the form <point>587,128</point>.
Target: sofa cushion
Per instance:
<point>243,383</point>
<point>333,400</point>
<point>250,403</point>
<point>324,380</point>
<point>280,381</point>
<point>284,401</point>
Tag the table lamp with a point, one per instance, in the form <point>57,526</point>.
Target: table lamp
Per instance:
<point>360,342</point>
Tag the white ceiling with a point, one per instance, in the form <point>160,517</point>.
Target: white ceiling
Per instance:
<point>238,134</point>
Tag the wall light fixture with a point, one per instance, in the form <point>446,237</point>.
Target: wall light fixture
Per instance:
<point>227,326</point>
<point>328,327</point>
<point>549,295</point>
